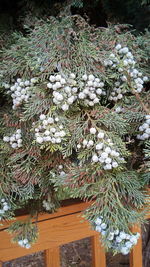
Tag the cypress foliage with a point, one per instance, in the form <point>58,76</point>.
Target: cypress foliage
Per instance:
<point>74,123</point>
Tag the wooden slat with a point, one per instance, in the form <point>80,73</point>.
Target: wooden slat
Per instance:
<point>98,253</point>
<point>136,253</point>
<point>52,257</point>
<point>63,211</point>
<point>52,233</point>
<point>59,228</point>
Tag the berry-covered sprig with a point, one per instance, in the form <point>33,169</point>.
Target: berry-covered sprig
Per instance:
<point>116,240</point>
<point>117,92</point>
<point>119,109</point>
<point>64,90</point>
<point>59,171</point>
<point>47,205</point>
<point>144,129</point>
<point>24,233</point>
<point>49,129</point>
<point>101,149</point>
<point>15,140</point>
<point>24,243</point>
<point>129,78</point>
<point>91,90</point>
<point>20,91</point>
<point>5,209</point>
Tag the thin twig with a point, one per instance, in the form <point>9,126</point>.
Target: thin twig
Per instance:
<point>141,102</point>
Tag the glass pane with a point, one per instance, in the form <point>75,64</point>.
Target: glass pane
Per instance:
<point>34,260</point>
<point>77,254</point>
<point>118,260</point>
<point>146,244</point>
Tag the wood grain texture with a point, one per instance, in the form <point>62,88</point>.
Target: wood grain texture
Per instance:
<point>98,253</point>
<point>52,257</point>
<point>52,233</point>
<point>62,211</point>
<point>136,253</point>
<point>64,226</point>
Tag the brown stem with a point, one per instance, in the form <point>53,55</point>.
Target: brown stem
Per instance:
<point>141,102</point>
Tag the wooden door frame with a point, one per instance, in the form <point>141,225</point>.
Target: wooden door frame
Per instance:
<point>64,226</point>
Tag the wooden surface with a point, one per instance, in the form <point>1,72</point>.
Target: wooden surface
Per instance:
<point>72,207</point>
<point>53,232</point>
<point>136,252</point>
<point>52,257</point>
<point>58,229</point>
<point>98,253</point>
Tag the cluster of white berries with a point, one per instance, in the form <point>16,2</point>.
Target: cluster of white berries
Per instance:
<point>91,89</point>
<point>118,240</point>
<point>64,90</point>
<point>61,171</point>
<point>119,109</point>
<point>49,130</point>
<point>24,243</point>
<point>15,140</point>
<point>46,205</point>
<point>104,152</point>
<point>4,208</point>
<point>145,128</point>
<point>20,91</point>
<point>117,92</point>
<point>122,61</point>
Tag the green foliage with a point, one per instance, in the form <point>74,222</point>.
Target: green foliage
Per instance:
<point>24,231</point>
<point>115,201</point>
<point>77,3</point>
<point>146,166</point>
<point>37,175</point>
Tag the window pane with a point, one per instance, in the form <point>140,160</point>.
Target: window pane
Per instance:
<point>34,260</point>
<point>146,244</point>
<point>77,254</point>
<point>118,260</point>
